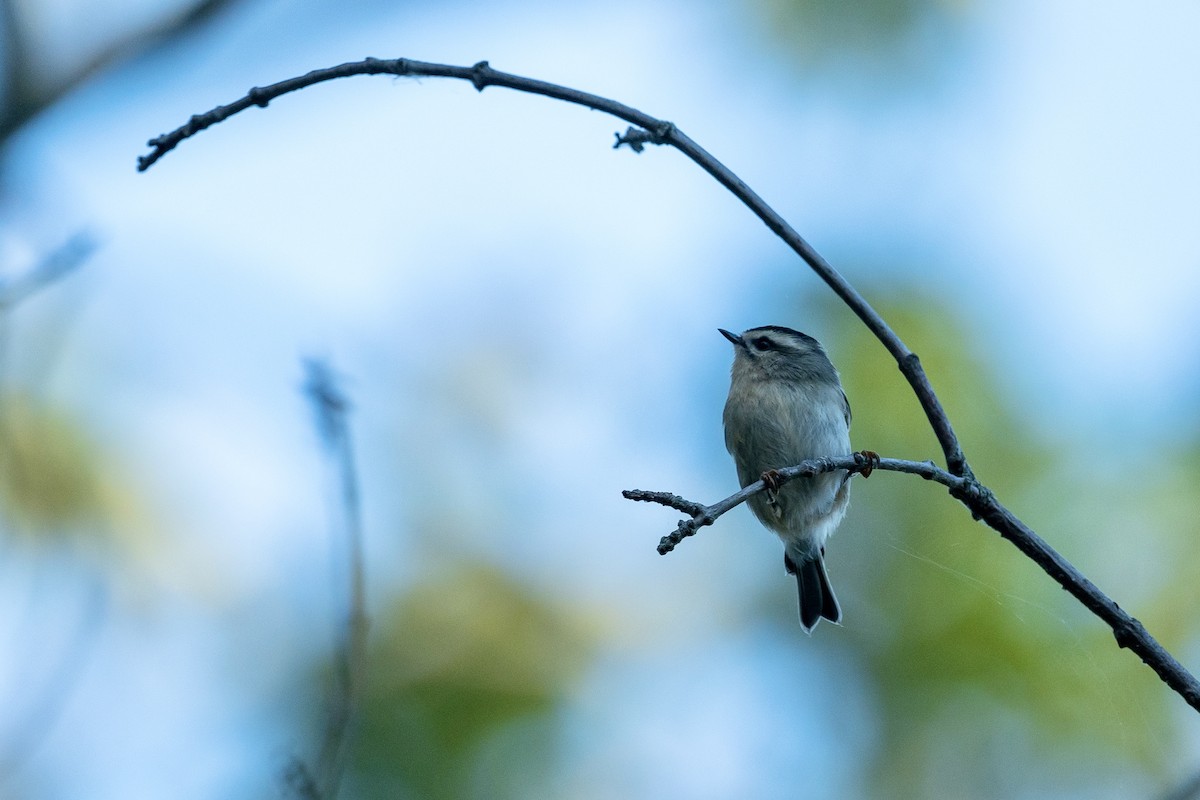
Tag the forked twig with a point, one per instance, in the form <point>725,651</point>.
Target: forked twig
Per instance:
<point>700,515</point>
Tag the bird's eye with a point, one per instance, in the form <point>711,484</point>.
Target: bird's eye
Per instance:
<point>762,343</point>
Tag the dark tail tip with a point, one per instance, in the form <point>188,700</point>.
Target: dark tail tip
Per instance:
<point>817,599</point>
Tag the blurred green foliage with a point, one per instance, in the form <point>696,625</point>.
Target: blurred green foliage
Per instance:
<point>869,33</point>
<point>464,675</point>
<point>989,680</point>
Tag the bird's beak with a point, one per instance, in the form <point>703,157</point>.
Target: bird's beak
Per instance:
<point>733,337</point>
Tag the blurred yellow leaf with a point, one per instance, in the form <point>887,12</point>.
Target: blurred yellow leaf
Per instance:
<point>49,469</point>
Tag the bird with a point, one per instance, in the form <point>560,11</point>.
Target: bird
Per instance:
<point>786,405</point>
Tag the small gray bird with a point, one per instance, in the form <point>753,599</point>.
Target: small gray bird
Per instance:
<point>786,405</point>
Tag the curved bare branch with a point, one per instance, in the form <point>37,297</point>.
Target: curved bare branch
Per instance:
<point>653,131</point>
<point>957,476</point>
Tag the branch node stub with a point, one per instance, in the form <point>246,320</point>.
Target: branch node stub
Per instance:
<point>479,77</point>
<point>258,96</point>
<point>975,496</point>
<point>377,65</point>
<point>1126,635</point>
<point>983,494</point>
<point>663,131</point>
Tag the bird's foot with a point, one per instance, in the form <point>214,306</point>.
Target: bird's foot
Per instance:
<point>867,461</point>
<point>773,480</point>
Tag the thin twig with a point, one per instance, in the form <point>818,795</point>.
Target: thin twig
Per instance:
<point>650,130</point>
<point>701,515</point>
<point>330,409</point>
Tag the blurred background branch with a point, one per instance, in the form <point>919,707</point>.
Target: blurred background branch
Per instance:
<point>330,409</point>
<point>33,81</point>
<point>51,268</point>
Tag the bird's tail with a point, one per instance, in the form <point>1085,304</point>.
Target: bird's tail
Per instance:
<point>816,595</point>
